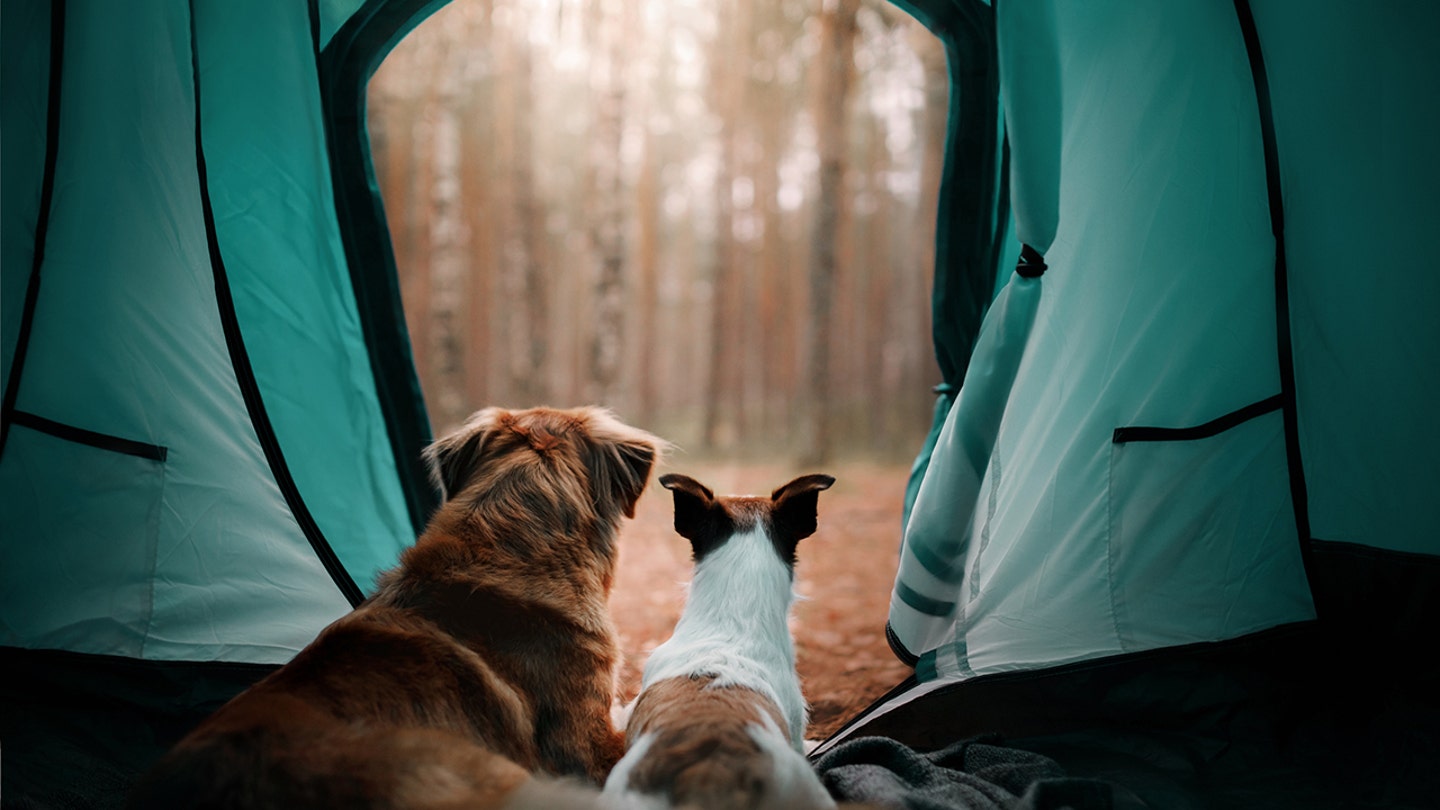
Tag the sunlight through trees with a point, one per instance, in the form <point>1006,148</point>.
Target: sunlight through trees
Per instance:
<point>714,216</point>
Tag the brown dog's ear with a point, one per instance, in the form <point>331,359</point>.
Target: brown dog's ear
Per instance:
<point>697,517</point>
<point>620,460</point>
<point>452,458</point>
<point>794,510</point>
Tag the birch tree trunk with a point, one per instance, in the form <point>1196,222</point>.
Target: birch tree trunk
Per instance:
<point>647,249</point>
<point>477,138</point>
<point>448,246</point>
<point>607,222</point>
<point>522,311</point>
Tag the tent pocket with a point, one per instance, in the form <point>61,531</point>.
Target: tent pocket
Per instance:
<point>81,524</point>
<point>1203,544</point>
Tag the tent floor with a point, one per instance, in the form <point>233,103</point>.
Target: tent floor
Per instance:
<point>1267,723</point>
<point>77,730</point>
<point>1271,721</point>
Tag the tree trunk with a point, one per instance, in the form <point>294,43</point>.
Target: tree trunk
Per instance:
<point>522,310</point>
<point>607,222</point>
<point>832,91</point>
<point>477,140</point>
<point>725,89</point>
<point>647,248</point>
<point>448,246</point>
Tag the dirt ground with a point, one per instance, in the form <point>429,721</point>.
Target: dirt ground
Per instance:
<point>843,577</point>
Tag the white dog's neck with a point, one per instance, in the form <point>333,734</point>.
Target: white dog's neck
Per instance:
<point>735,626</point>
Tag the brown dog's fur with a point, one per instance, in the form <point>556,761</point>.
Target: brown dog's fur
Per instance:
<point>487,655</point>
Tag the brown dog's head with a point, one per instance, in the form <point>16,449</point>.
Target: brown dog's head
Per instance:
<point>537,458</point>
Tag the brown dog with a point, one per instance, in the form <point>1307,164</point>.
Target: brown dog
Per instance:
<point>486,656</point>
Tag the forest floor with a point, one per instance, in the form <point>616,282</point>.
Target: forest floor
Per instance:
<point>843,577</point>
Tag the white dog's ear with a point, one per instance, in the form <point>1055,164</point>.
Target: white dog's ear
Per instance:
<point>795,503</point>
<point>692,503</point>
<point>453,458</point>
<point>698,518</point>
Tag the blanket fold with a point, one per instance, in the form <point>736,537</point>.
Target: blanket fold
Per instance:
<point>975,774</point>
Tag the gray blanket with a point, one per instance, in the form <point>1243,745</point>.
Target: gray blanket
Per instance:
<point>977,774</point>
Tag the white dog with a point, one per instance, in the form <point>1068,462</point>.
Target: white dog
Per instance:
<point>720,720</point>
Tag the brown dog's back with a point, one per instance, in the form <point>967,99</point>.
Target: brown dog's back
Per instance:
<point>252,762</point>
<point>487,655</point>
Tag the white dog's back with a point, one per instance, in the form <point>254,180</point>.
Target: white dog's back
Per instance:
<point>720,719</point>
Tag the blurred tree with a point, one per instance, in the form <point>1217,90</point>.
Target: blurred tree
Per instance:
<point>832,93</point>
<point>726,97</point>
<point>716,216</point>
<point>609,23</point>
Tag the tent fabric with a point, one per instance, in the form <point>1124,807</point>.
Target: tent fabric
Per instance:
<point>1073,544</point>
<point>192,297</point>
<point>24,93</point>
<point>1169,503</point>
<point>275,219</point>
<point>333,14</point>
<point>973,208</point>
<point>1355,126</point>
<point>347,61</point>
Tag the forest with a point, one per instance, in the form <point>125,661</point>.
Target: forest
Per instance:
<point>714,216</point>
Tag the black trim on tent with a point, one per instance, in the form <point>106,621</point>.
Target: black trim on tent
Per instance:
<point>972,192</point>
<point>1284,349</point>
<point>973,211</point>
<point>906,657</point>
<point>42,222</point>
<point>905,685</point>
<point>964,280</point>
<point>313,8</point>
<point>83,666</point>
<point>345,66</point>
<point>1010,703</point>
<point>1002,206</point>
<point>101,441</point>
<point>240,360</point>
<point>1212,428</point>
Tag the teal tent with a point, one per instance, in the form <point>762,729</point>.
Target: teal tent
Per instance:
<point>1176,524</point>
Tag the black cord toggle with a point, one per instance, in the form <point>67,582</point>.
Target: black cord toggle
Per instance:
<point>1032,264</point>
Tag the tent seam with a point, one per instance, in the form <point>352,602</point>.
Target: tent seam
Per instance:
<point>240,360</point>
<point>154,561</point>
<point>42,222</point>
<point>1116,602</point>
<point>90,438</point>
<point>1233,419</point>
<point>1283,346</point>
<point>372,265</point>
